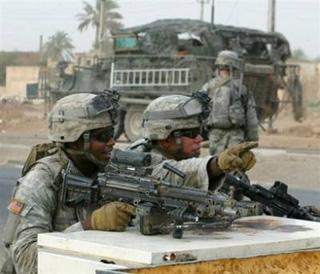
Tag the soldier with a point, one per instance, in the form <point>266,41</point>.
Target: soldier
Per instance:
<point>82,127</point>
<point>233,118</point>
<point>172,129</point>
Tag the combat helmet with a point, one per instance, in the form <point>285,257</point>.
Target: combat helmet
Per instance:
<point>75,114</point>
<point>171,113</point>
<point>228,58</point>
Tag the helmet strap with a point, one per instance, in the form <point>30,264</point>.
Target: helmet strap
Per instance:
<point>177,136</point>
<point>87,153</point>
<point>70,151</point>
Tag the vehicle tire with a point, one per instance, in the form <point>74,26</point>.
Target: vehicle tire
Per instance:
<point>119,127</point>
<point>132,124</point>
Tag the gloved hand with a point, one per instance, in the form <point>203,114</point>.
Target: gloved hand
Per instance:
<point>238,157</point>
<point>112,217</point>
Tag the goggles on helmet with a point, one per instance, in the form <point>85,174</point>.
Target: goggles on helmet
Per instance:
<point>108,100</point>
<point>103,102</point>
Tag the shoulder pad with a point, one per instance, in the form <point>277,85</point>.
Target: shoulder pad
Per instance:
<point>55,165</point>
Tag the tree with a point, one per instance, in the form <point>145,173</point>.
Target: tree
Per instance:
<point>59,47</point>
<point>299,55</point>
<point>6,59</point>
<point>317,59</point>
<point>91,17</point>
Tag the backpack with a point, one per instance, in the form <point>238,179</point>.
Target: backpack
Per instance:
<point>38,152</point>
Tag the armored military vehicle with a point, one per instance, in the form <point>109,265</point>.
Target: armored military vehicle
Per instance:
<point>176,56</point>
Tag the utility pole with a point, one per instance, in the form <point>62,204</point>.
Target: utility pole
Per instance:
<point>202,2</point>
<point>101,28</point>
<point>212,13</point>
<point>271,15</point>
<point>271,28</point>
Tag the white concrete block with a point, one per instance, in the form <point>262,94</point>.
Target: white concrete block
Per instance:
<point>247,237</point>
<point>53,263</point>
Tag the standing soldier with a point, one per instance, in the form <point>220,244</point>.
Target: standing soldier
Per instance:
<point>82,127</point>
<point>172,133</point>
<point>233,118</point>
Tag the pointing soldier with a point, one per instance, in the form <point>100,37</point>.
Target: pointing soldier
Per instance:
<point>172,133</point>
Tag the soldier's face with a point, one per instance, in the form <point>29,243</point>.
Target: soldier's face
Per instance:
<point>184,146</point>
<point>101,143</point>
<point>191,146</point>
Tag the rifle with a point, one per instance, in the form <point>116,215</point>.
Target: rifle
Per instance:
<point>161,206</point>
<point>277,201</point>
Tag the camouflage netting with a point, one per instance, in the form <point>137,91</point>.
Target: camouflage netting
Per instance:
<point>295,263</point>
<point>161,37</point>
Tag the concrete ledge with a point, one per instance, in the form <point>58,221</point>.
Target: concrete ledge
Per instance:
<point>252,243</point>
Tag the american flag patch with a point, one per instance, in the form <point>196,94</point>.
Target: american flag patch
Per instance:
<point>16,206</point>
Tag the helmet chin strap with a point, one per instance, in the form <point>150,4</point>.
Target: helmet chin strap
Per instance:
<point>177,137</point>
<point>88,154</point>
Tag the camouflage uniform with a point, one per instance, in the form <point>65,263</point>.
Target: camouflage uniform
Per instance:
<point>36,206</point>
<point>40,192</point>
<point>159,128</point>
<point>233,118</point>
<point>194,168</point>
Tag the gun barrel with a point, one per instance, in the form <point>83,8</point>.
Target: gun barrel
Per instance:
<point>130,158</point>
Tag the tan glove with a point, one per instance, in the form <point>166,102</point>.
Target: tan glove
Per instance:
<point>112,217</point>
<point>237,157</point>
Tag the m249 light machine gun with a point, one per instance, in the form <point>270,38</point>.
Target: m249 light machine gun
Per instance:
<point>161,207</point>
<point>276,200</point>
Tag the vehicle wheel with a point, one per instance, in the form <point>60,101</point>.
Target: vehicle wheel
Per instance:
<point>132,124</point>
<point>119,128</point>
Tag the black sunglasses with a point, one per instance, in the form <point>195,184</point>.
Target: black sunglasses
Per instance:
<point>103,136</point>
<point>190,133</point>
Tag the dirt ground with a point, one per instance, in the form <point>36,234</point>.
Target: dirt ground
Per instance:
<point>26,119</point>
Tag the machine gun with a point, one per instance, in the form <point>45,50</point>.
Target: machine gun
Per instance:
<point>276,200</point>
<point>161,207</point>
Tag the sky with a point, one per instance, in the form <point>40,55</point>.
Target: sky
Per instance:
<point>23,21</point>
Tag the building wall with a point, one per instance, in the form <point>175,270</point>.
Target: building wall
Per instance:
<point>17,78</point>
<point>2,91</point>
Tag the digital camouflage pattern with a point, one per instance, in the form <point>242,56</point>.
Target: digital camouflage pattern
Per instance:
<point>233,116</point>
<point>228,58</point>
<point>40,193</point>
<point>37,204</point>
<point>161,128</point>
<point>194,168</point>
<point>77,113</point>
